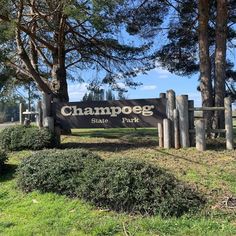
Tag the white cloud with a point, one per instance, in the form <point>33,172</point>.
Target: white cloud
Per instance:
<point>77,91</point>
<point>121,85</point>
<point>162,73</point>
<point>148,87</point>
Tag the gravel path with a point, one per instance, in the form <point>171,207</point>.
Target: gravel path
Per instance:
<point>4,125</point>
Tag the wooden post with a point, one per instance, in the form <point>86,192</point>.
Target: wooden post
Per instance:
<point>162,95</point>
<point>46,106</point>
<point>160,134</point>
<point>57,128</point>
<point>182,106</point>
<point>40,114</point>
<point>166,131</point>
<point>228,124</point>
<point>171,105</point>
<point>170,94</point>
<point>176,129</point>
<point>200,135</point>
<point>160,126</point>
<point>48,122</point>
<point>191,122</point>
<point>21,114</point>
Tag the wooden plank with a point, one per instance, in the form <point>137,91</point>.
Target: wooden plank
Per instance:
<point>166,131</point>
<point>207,109</point>
<point>162,95</point>
<point>210,131</point>
<point>200,135</point>
<point>171,105</point>
<point>182,106</point>
<point>176,129</point>
<point>191,122</point>
<point>160,134</point>
<point>228,124</point>
<point>21,114</point>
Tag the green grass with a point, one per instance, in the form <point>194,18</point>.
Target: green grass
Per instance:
<point>211,172</point>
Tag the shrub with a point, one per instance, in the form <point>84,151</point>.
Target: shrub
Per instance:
<point>20,137</point>
<point>59,171</point>
<point>123,185</point>
<point>134,186</point>
<point>3,158</point>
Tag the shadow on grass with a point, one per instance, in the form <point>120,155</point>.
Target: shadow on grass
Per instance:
<point>115,133</point>
<point>217,144</point>
<point>109,147</point>
<point>8,172</point>
<point>178,157</point>
<point>125,139</point>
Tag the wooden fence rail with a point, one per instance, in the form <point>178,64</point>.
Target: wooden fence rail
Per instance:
<point>180,128</point>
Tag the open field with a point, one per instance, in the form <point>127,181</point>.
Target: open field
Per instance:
<point>212,172</point>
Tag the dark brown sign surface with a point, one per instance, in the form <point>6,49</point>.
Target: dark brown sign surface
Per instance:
<point>110,114</point>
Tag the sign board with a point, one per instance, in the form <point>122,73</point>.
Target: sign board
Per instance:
<point>110,114</point>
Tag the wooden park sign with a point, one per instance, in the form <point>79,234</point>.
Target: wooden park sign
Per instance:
<point>172,115</point>
<point>110,114</point>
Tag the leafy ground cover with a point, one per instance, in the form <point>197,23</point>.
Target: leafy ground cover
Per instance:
<point>212,172</point>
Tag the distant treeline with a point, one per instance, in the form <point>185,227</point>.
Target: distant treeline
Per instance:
<point>103,95</point>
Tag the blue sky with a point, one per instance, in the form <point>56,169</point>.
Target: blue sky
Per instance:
<point>154,82</point>
<point>157,81</point>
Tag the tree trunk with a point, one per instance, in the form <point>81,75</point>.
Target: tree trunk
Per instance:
<point>220,60</point>
<point>59,58</point>
<point>205,63</point>
<point>59,75</point>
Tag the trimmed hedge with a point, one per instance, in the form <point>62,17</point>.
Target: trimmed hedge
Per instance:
<point>20,137</point>
<point>135,186</point>
<point>123,185</point>
<point>3,158</point>
<point>59,171</point>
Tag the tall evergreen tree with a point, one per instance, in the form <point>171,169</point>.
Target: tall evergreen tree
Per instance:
<point>204,56</point>
<point>191,46</point>
<point>220,58</point>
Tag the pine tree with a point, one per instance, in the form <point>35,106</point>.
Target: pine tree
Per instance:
<point>52,38</point>
<point>193,37</point>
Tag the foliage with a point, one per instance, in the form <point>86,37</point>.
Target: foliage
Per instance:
<point>123,185</point>
<point>179,54</point>
<point>20,137</point>
<point>89,36</point>
<point>96,94</point>
<point>3,158</point>
<point>109,95</point>
<point>131,185</point>
<point>62,172</point>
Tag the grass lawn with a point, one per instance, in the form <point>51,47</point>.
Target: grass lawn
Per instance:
<point>212,172</point>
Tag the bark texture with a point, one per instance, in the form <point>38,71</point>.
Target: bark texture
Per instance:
<point>205,63</point>
<point>220,59</point>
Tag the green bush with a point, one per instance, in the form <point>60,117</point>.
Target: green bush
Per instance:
<point>59,171</point>
<point>20,137</point>
<point>3,158</point>
<point>123,185</point>
<point>134,186</point>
